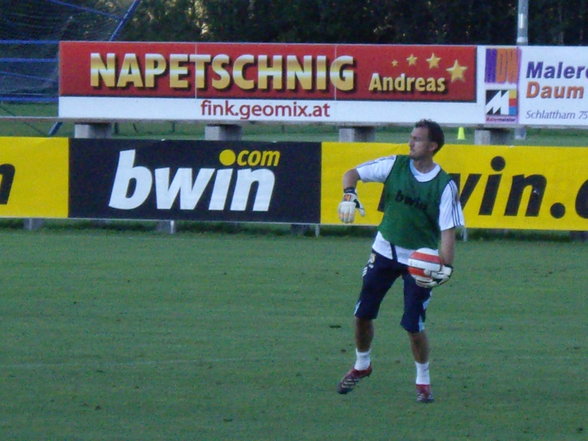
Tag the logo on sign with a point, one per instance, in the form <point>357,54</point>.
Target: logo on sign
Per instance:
<point>501,77</point>
<point>501,106</point>
<point>215,188</point>
<point>6,178</point>
<point>502,65</point>
<point>501,102</point>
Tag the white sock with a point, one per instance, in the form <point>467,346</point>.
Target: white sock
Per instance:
<point>363,360</point>
<point>422,373</point>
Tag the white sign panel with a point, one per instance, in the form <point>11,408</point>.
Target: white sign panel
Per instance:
<point>552,86</point>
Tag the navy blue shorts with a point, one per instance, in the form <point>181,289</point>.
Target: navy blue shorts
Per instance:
<point>379,275</point>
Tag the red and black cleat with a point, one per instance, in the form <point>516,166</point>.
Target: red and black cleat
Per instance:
<point>351,379</point>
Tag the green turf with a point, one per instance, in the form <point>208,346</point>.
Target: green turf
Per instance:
<point>213,336</point>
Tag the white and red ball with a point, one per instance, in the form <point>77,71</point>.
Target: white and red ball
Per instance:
<point>421,262</point>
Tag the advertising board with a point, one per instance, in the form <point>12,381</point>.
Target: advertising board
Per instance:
<point>529,188</point>
<point>536,188</point>
<point>535,86</point>
<point>240,82</point>
<point>505,86</point>
<point>195,180</point>
<point>34,179</point>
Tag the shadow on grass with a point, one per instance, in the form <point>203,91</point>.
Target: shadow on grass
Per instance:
<point>188,227</point>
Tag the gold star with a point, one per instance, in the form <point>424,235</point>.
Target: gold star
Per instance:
<point>412,60</point>
<point>433,61</point>
<point>457,71</point>
<point>394,63</point>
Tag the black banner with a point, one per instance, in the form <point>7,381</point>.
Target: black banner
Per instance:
<point>195,180</point>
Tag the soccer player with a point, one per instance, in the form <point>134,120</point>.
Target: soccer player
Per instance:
<point>421,209</point>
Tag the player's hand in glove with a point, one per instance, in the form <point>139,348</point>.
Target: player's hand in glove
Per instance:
<point>348,205</point>
<point>437,277</point>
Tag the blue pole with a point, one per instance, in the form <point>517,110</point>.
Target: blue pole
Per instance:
<point>125,19</point>
<point>130,11</point>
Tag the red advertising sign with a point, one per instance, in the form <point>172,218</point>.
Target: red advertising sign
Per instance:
<point>269,71</point>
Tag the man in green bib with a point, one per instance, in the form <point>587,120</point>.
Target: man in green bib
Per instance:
<point>421,210</point>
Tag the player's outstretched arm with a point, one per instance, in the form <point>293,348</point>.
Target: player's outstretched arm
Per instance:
<point>350,202</point>
<point>350,178</point>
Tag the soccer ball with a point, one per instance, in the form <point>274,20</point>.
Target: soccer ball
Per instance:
<point>421,262</point>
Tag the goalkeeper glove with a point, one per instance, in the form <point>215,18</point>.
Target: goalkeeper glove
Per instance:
<point>437,277</point>
<point>348,206</point>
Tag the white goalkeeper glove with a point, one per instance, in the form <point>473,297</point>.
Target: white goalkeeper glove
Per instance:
<point>348,206</point>
<point>437,277</point>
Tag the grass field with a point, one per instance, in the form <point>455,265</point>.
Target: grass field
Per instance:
<point>134,335</point>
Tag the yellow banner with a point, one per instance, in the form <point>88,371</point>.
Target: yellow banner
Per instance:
<point>34,177</point>
<point>534,188</point>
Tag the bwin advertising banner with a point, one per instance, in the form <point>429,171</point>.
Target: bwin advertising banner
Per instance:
<point>543,188</point>
<point>34,177</point>
<point>190,180</point>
